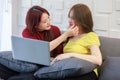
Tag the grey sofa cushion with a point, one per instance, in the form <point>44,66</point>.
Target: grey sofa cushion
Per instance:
<point>109,47</point>
<point>110,69</point>
<point>70,67</point>
<point>7,60</point>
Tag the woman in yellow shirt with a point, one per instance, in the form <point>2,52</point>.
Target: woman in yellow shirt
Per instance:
<point>86,44</point>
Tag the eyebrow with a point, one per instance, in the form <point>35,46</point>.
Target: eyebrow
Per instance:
<point>45,19</point>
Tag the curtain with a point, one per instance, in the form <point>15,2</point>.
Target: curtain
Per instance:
<point>1,20</point>
<point>5,25</point>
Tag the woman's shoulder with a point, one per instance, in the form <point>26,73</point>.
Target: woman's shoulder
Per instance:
<point>56,30</point>
<point>55,27</point>
<point>92,34</point>
<point>26,32</point>
<point>92,38</point>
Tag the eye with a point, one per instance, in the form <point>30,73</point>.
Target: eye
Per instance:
<point>44,21</point>
<point>71,17</point>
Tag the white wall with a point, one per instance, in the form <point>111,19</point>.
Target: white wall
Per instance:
<point>106,14</point>
<point>15,16</point>
<point>107,17</point>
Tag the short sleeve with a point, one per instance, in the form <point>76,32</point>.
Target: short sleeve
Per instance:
<point>27,34</point>
<point>92,39</point>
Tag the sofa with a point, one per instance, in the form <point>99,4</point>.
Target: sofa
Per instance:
<point>110,49</point>
<point>110,68</point>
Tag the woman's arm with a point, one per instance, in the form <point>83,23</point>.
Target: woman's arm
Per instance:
<point>72,31</point>
<point>95,56</point>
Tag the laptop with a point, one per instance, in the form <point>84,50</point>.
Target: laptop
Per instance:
<point>31,50</point>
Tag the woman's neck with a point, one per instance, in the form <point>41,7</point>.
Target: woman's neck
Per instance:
<point>80,35</point>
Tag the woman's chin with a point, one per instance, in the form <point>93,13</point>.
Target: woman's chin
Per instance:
<point>48,28</point>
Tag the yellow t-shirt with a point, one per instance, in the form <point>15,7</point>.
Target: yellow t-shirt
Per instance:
<point>82,45</point>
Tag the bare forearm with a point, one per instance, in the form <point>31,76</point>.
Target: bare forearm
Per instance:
<point>72,31</point>
<point>57,41</point>
<point>91,58</point>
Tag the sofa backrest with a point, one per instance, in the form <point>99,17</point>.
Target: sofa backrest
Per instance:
<point>109,46</point>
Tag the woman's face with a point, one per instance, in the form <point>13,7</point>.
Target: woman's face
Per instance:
<point>71,19</point>
<point>45,22</point>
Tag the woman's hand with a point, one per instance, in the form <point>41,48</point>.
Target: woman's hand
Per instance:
<point>72,31</point>
<point>61,57</point>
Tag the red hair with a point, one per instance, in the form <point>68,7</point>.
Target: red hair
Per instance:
<point>33,17</point>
